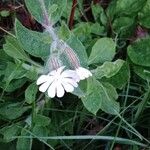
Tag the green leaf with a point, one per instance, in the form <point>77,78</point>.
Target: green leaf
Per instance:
<point>129,7</point>
<point>13,85</point>
<point>35,43</point>
<point>97,29</point>
<point>4,13</point>
<point>139,52</point>
<point>24,143</point>
<point>13,49</point>
<point>82,30</point>
<point>36,10</point>
<point>120,79</point>
<point>96,11</point>
<point>100,96</point>
<point>14,71</point>
<point>144,15</point>
<point>103,50</point>
<point>54,9</point>
<point>30,93</point>
<point>41,120</point>
<point>9,132</point>
<point>121,8</point>
<point>12,110</point>
<point>64,32</point>
<point>124,26</point>
<point>108,69</point>
<point>143,72</point>
<point>40,131</point>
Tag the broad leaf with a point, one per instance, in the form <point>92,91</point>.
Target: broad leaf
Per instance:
<point>13,49</point>
<point>103,50</point>
<point>143,72</point>
<point>54,9</point>
<point>144,15</point>
<point>100,96</point>
<point>139,52</point>
<point>124,26</point>
<point>108,69</point>
<point>35,43</point>
<point>120,79</point>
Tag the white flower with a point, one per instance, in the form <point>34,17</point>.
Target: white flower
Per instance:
<point>58,81</point>
<point>83,73</point>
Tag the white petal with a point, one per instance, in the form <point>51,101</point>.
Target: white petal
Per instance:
<point>59,70</point>
<point>80,74</point>
<point>42,79</point>
<point>70,81</point>
<point>44,86</point>
<point>52,90</point>
<point>60,90</point>
<point>70,74</point>
<point>68,87</point>
<point>83,73</point>
<point>52,73</point>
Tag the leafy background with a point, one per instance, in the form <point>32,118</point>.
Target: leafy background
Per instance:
<point>109,110</point>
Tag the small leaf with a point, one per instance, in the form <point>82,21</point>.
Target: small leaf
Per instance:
<point>139,52</point>
<point>4,13</point>
<point>41,120</point>
<point>24,143</point>
<point>9,132</point>
<point>108,69</point>
<point>64,32</point>
<point>97,10</point>
<point>103,50</point>
<point>30,93</point>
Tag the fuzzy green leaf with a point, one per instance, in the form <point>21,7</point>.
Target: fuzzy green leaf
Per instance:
<point>108,69</point>
<point>35,43</point>
<point>30,93</point>
<point>139,52</point>
<point>100,96</point>
<point>103,50</point>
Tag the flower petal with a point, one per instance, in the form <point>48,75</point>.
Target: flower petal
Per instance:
<point>60,90</point>
<point>52,73</point>
<point>70,81</point>
<point>44,86</point>
<point>70,74</point>
<point>68,87</point>
<point>42,79</point>
<point>83,73</point>
<point>59,70</point>
<point>52,90</point>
